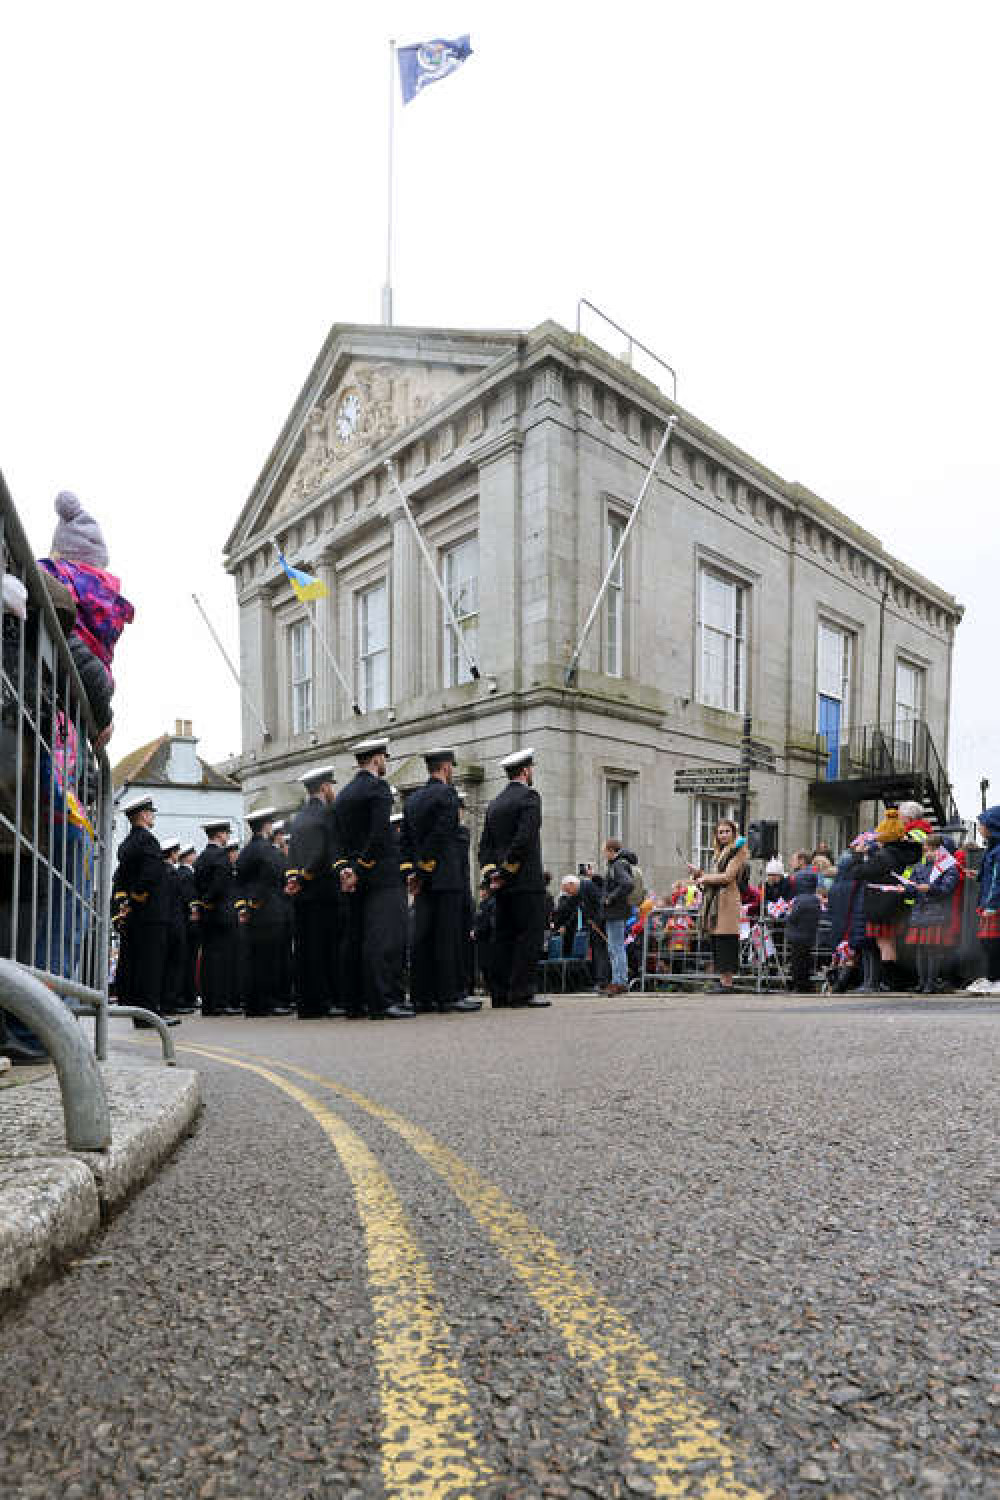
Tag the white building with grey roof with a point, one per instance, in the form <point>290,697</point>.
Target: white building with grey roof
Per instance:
<point>187,792</point>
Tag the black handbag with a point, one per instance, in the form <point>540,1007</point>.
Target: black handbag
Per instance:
<point>883,905</point>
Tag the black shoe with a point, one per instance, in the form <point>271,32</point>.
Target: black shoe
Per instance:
<point>396,1013</point>
<point>467,1004</point>
<point>334,1012</point>
<point>355,1015</point>
<point>232,1010</point>
<point>282,1010</point>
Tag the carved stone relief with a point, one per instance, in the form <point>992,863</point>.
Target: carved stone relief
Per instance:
<point>370,403</point>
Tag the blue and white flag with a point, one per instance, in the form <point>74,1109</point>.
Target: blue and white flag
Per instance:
<point>427,62</point>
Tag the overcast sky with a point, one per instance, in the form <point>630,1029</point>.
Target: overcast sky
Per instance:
<point>795,204</point>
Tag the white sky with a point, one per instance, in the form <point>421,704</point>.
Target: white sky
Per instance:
<point>797,205</point>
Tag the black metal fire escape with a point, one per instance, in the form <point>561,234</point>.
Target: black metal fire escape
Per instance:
<point>876,763</point>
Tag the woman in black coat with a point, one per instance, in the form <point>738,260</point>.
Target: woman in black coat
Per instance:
<point>846,908</point>
<point>896,853</point>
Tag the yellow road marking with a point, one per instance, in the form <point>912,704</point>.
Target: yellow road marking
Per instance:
<point>429,1442</point>
<point>667,1428</point>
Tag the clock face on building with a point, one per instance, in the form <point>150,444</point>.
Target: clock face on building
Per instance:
<point>348,416</point>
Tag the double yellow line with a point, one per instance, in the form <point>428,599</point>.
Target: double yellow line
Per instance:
<point>429,1445</point>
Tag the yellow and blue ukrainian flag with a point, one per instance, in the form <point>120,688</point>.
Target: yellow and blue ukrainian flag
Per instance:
<point>304,585</point>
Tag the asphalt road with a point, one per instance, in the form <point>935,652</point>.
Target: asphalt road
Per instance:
<point>680,1247</point>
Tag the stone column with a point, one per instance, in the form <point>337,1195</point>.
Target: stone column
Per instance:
<point>257,670</point>
<point>328,693</point>
<point>500,626</point>
<point>406,616</point>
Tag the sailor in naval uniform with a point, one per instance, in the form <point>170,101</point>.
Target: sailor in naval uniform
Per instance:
<point>510,853</point>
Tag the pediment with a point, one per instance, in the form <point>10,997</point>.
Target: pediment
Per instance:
<point>371,401</point>
<point>367,390</point>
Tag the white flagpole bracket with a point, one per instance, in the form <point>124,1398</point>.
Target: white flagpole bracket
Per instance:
<point>244,695</point>
<point>574,662</point>
<point>425,553</point>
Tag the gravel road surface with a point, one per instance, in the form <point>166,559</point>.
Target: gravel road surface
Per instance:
<point>725,1247</point>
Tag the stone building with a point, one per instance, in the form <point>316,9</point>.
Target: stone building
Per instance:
<point>187,791</point>
<point>521,456</point>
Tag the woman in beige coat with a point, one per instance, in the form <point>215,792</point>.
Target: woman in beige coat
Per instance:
<point>720,914</point>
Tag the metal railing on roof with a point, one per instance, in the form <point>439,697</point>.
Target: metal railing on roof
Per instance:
<point>632,343</point>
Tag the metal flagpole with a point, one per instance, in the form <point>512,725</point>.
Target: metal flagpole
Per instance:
<point>387,289</point>
<point>236,676</point>
<point>574,662</point>
<point>330,656</point>
<point>452,621</point>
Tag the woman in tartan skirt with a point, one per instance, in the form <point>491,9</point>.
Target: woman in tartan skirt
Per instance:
<point>989,903</point>
<point>892,851</point>
<point>932,884</point>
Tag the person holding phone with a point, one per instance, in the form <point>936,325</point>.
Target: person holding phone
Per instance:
<point>720,913</point>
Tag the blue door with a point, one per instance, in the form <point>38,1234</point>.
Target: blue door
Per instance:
<point>829,728</point>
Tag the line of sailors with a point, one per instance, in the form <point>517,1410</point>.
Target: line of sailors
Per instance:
<point>324,914</point>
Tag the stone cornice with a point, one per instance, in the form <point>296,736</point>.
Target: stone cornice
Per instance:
<point>703,464</point>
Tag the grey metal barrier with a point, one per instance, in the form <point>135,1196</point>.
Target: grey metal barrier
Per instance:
<point>677,955</point>
<point>56,820</point>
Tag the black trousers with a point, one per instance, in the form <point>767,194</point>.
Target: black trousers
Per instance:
<point>145,951</point>
<point>317,936</point>
<point>600,963</point>
<point>192,952</point>
<point>800,966</point>
<point>991,947</point>
<point>174,966</point>
<point>374,949</point>
<point>519,936</point>
<point>264,967</point>
<point>218,968</point>
<point>437,964</point>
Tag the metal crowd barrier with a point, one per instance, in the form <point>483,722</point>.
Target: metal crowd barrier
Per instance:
<point>676,955</point>
<point>56,856</point>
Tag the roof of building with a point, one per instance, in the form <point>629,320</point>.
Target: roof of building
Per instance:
<point>147,766</point>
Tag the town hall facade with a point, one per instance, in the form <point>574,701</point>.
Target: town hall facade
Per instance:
<point>521,455</point>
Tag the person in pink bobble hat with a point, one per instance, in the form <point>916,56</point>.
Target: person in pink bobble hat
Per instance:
<point>78,559</point>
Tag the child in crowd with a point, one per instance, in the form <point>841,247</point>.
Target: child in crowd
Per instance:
<point>932,884</point>
<point>801,926</point>
<point>79,560</point>
<point>776,886</point>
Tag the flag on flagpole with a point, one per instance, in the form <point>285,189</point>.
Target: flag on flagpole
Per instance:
<point>428,62</point>
<point>304,585</point>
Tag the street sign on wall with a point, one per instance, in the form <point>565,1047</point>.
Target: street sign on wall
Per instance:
<point>709,781</point>
<point>760,757</point>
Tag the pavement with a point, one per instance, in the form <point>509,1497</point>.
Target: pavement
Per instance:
<point>52,1200</point>
<point>726,1246</point>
